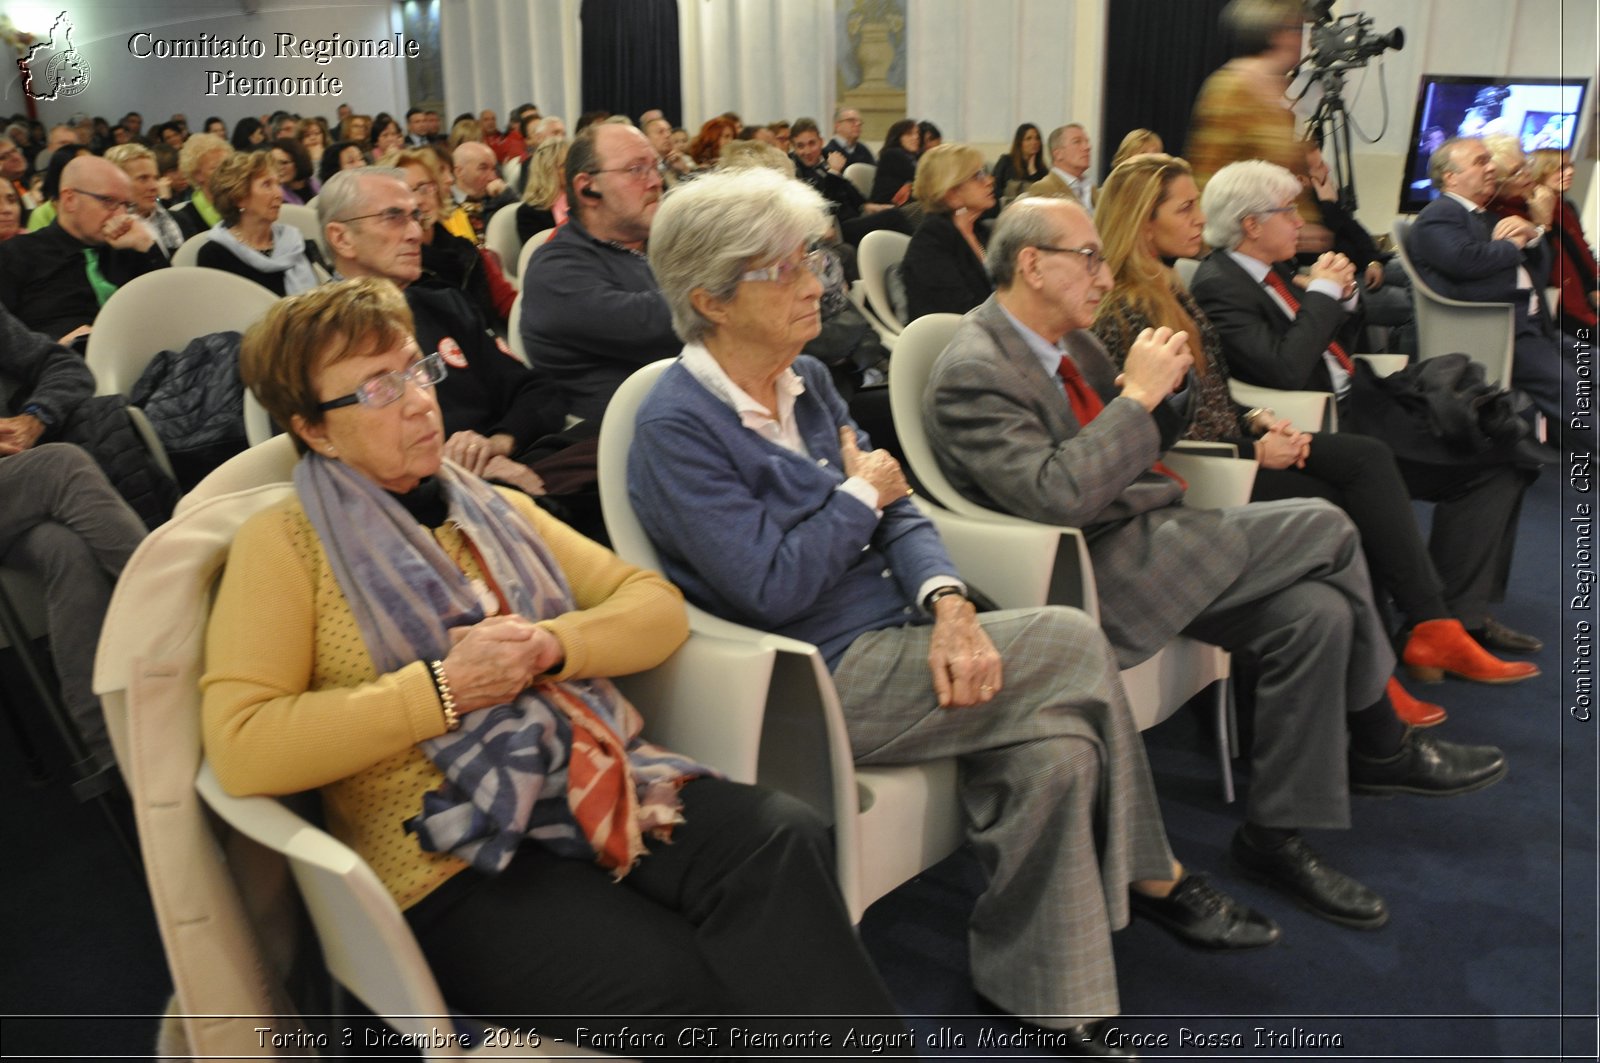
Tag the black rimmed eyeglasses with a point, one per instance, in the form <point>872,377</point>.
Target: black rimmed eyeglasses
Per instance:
<point>1093,257</point>
<point>107,201</point>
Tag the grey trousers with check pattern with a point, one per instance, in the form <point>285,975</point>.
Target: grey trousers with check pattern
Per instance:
<point>1057,792</point>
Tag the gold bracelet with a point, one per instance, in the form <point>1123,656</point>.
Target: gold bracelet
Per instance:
<point>447,700</point>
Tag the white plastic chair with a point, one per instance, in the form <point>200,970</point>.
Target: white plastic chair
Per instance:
<point>1157,687</point>
<point>1310,411</point>
<point>304,218</point>
<point>511,171</point>
<point>1485,332</point>
<point>536,241</point>
<point>879,250</point>
<point>861,174</point>
<point>163,310</point>
<point>858,298</point>
<point>890,823</point>
<point>501,237</point>
<point>147,675</point>
<point>188,253</point>
<point>514,331</point>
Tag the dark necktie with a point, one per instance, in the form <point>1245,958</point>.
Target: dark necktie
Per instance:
<point>1276,282</point>
<point>1086,406</point>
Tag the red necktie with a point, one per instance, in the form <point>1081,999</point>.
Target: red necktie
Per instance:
<point>1086,406</point>
<point>1276,282</point>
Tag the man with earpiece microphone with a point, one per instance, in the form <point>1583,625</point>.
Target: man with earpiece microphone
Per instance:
<point>591,310</point>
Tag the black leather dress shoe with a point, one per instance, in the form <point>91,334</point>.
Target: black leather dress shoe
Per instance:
<point>1198,913</point>
<point>1322,890</point>
<point>1429,766</point>
<point>1496,636</point>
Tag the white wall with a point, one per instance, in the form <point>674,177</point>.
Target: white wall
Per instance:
<point>119,82</point>
<point>501,53</point>
<point>978,70</point>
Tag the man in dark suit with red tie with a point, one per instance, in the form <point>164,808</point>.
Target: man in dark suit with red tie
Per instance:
<point>1279,334</point>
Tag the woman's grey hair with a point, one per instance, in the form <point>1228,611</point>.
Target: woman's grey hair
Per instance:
<point>750,154</point>
<point>715,227</point>
<point>340,198</point>
<point>1239,190</point>
<point>1032,221</point>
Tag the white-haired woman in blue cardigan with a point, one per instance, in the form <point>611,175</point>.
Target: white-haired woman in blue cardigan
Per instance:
<point>770,508</point>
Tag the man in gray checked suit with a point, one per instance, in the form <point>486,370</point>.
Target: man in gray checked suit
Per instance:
<point>1027,415</point>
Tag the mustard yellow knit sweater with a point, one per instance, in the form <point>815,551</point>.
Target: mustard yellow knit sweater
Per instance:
<point>292,700</point>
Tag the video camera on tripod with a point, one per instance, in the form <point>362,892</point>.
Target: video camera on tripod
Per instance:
<point>1339,45</point>
<point>1347,42</point>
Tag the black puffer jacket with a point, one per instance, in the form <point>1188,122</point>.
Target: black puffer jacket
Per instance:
<point>196,403</point>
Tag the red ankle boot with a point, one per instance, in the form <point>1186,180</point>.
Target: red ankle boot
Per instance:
<point>1410,710</point>
<point>1438,647</point>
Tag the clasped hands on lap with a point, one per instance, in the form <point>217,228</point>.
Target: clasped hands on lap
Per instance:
<point>494,660</point>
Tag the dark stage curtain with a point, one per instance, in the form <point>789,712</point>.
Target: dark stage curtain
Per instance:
<point>1157,54</point>
<point>630,57</point>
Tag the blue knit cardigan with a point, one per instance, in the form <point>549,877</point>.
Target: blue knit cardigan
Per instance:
<point>762,536</point>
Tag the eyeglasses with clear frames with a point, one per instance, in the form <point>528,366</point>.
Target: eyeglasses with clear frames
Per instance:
<point>111,202</point>
<point>394,217</point>
<point>1290,209</point>
<point>1093,257</point>
<point>820,262</point>
<point>386,389</point>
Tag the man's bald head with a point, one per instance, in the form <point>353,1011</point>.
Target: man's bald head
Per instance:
<point>93,192</point>
<point>474,167</point>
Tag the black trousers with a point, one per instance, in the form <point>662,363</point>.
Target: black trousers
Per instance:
<point>1467,561</point>
<point>1360,475</point>
<point>738,915</point>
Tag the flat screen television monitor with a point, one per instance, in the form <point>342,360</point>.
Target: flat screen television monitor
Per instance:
<point>1542,112</point>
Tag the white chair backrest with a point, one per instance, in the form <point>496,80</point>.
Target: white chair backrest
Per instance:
<point>501,238</point>
<point>628,537</point>
<point>861,174</point>
<point>162,311</point>
<point>304,218</point>
<point>514,331</point>
<point>1309,411</point>
<point>188,253</point>
<point>1485,332</point>
<point>511,171</point>
<point>536,241</point>
<point>272,462</point>
<point>879,250</point>
<point>909,370</point>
